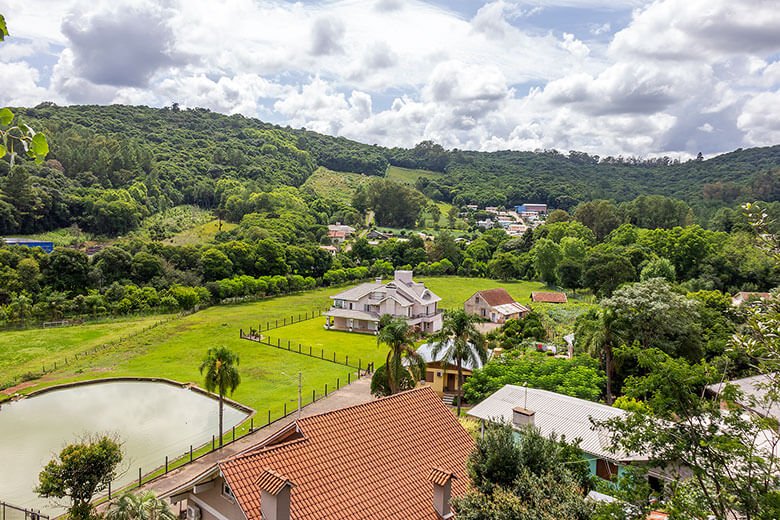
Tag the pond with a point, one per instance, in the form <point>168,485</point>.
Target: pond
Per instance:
<point>152,419</point>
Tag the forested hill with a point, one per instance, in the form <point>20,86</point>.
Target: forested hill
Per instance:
<point>191,156</point>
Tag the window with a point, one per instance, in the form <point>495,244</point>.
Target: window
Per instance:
<point>483,313</point>
<point>476,300</point>
<point>227,492</point>
<point>429,376</point>
<point>366,307</point>
<point>606,469</point>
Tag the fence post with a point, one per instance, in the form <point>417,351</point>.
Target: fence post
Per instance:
<point>166,464</point>
<point>309,352</point>
<point>299,348</point>
<point>288,344</point>
<point>109,490</point>
<point>251,424</point>
<point>313,395</point>
<point>139,477</point>
<point>347,361</point>
<point>326,389</point>
<point>284,321</point>
<point>277,323</point>
<point>334,357</point>
<point>338,383</point>
<point>213,438</point>
<point>285,409</point>
<point>278,343</point>
<point>240,333</point>
<point>190,452</point>
<point>360,365</point>
<point>269,416</point>
<point>349,378</point>
<point>322,353</point>
<point>234,433</point>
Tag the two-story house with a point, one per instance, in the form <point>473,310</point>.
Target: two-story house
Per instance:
<point>359,309</point>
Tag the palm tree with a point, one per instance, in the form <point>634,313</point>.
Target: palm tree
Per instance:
<point>144,506</point>
<point>221,375</point>
<point>461,342</point>
<point>402,358</point>
<point>599,334</point>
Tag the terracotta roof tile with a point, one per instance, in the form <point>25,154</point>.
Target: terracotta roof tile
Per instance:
<point>368,461</point>
<point>440,476</point>
<point>549,297</point>
<point>271,482</point>
<point>498,296</point>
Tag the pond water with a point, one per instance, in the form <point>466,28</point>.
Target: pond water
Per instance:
<point>151,419</point>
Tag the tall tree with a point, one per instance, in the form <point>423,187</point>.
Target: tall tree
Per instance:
<point>79,472</point>
<point>461,342</point>
<point>598,333</point>
<point>402,361</point>
<point>221,374</point>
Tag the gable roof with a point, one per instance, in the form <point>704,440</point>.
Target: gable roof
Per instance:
<point>495,297</point>
<point>549,297</point>
<point>405,293</point>
<point>555,413</point>
<point>372,460</point>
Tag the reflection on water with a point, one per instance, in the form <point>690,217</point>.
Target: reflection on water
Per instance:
<point>151,419</point>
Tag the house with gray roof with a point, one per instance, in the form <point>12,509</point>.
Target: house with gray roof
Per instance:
<point>359,309</point>
<point>563,416</point>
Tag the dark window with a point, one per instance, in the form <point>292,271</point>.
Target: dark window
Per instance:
<point>606,469</point>
<point>429,376</point>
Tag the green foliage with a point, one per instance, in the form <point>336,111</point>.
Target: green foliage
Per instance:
<point>525,477</point>
<point>221,374</point>
<point>141,506</point>
<point>578,377</point>
<point>393,204</point>
<point>403,363</point>
<point>79,472</point>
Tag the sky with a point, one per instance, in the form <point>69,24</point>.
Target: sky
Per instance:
<point>607,77</point>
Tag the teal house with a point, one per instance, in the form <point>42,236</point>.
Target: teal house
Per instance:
<point>564,416</point>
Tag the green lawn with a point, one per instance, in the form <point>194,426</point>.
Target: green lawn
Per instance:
<point>28,351</point>
<point>455,290</point>
<point>199,234</point>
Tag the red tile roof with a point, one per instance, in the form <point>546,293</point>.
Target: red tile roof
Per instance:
<point>271,482</point>
<point>549,297</point>
<point>367,461</point>
<point>495,297</point>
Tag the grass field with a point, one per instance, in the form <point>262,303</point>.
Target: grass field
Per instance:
<point>333,185</point>
<point>408,175</point>
<point>174,348</point>
<point>199,234</point>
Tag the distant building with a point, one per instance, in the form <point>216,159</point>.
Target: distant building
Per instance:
<point>496,305</point>
<point>338,233</point>
<point>442,374</point>
<point>26,242</point>
<point>359,309</point>
<point>485,224</point>
<point>516,229</point>
<point>742,297</point>
<point>330,249</point>
<point>755,387</point>
<point>491,209</point>
<point>535,208</point>
<point>376,235</point>
<point>548,297</point>
<point>472,207</point>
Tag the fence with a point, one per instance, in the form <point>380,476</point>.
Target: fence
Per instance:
<point>283,322</point>
<point>53,366</point>
<point>339,359</point>
<point>256,422</point>
<point>11,512</point>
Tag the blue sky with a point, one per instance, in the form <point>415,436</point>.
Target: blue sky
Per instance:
<point>609,77</point>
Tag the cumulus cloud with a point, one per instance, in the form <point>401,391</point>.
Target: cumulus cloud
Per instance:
<point>327,35</point>
<point>759,119</point>
<point>123,46</point>
<point>19,84</point>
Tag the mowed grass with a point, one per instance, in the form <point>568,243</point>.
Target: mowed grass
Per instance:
<point>30,351</point>
<point>455,290</point>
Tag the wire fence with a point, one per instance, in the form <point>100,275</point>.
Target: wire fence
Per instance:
<point>12,512</point>
<point>258,421</point>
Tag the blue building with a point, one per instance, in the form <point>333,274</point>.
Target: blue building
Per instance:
<point>46,246</point>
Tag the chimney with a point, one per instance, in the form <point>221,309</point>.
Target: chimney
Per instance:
<point>442,490</point>
<point>522,417</point>
<point>378,279</point>
<point>404,277</point>
<point>274,496</point>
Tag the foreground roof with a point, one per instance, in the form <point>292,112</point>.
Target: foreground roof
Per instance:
<point>555,413</point>
<point>372,460</point>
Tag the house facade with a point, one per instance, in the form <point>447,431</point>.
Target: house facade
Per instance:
<point>359,309</point>
<point>441,374</point>
<point>352,463</point>
<point>562,415</point>
<point>495,305</point>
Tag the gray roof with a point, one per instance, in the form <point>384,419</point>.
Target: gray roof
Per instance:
<point>754,386</point>
<point>405,294</point>
<point>355,293</point>
<point>555,413</point>
<point>426,352</point>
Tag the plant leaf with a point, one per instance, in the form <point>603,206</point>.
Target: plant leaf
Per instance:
<point>6,116</point>
<point>3,30</point>
<point>39,145</point>
<point>2,151</point>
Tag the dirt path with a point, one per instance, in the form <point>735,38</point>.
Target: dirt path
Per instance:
<point>356,393</point>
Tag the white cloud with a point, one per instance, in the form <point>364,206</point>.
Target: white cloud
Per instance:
<point>759,119</point>
<point>19,84</point>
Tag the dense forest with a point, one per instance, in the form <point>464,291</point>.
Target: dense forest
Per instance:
<point>111,166</point>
